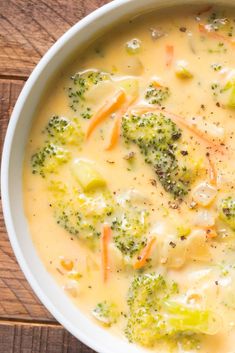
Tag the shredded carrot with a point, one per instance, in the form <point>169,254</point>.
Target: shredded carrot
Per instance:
<point>105,238</point>
<point>211,233</point>
<point>169,55</point>
<point>204,10</point>
<point>67,264</point>
<point>107,109</point>
<point>156,84</point>
<point>212,171</point>
<point>194,297</point>
<point>182,121</point>
<point>203,29</point>
<point>115,133</point>
<point>145,254</point>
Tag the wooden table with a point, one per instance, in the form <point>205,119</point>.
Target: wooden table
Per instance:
<point>27,29</point>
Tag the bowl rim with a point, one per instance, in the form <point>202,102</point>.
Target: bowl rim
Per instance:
<point>6,156</point>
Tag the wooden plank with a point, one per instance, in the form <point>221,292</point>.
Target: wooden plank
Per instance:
<point>38,338</point>
<point>9,92</point>
<point>29,27</point>
<point>16,297</point>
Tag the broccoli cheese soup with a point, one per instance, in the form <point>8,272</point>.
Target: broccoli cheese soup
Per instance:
<point>129,186</point>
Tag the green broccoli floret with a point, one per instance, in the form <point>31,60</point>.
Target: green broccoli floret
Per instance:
<point>217,22</point>
<point>64,131</point>
<point>81,83</point>
<point>80,214</point>
<point>153,316</point>
<point>83,218</point>
<point>106,313</point>
<point>48,159</point>
<point>86,114</point>
<point>145,299</point>
<point>148,290</point>
<point>129,230</point>
<point>157,95</point>
<point>83,214</point>
<point>157,137</point>
<point>227,211</point>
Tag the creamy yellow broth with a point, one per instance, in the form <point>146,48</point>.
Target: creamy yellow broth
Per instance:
<point>187,56</point>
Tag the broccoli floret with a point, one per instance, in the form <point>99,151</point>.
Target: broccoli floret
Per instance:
<point>48,159</point>
<point>129,229</point>
<point>153,315</point>
<point>157,137</point>
<point>83,215</point>
<point>227,211</point>
<point>106,313</point>
<point>145,299</point>
<point>157,95</point>
<point>86,114</point>
<point>81,83</point>
<point>217,22</point>
<point>64,131</point>
<point>147,290</point>
<point>80,214</point>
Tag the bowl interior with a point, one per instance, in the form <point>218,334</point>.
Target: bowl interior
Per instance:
<point>45,287</point>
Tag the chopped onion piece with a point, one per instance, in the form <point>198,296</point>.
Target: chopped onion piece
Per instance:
<point>209,128</point>
<point>204,219</point>
<point>133,195</point>
<point>71,287</point>
<point>182,70</point>
<point>173,252</point>
<point>160,228</point>
<point>157,33</point>
<point>197,247</point>
<point>133,46</point>
<point>204,194</point>
<point>117,260</point>
<point>100,92</point>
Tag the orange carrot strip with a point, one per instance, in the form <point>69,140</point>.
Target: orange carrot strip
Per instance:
<point>156,84</point>
<point>212,172</point>
<point>117,125</point>
<point>115,133</point>
<point>181,121</point>
<point>107,109</point>
<point>211,233</point>
<point>169,55</point>
<point>67,264</point>
<point>105,238</point>
<point>145,254</point>
<point>202,28</point>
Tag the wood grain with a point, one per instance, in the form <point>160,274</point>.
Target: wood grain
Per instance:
<point>38,338</point>
<point>29,27</point>
<point>9,92</point>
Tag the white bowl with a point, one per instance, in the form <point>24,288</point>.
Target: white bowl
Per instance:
<point>51,295</point>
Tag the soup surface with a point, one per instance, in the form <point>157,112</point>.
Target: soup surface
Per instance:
<point>129,181</point>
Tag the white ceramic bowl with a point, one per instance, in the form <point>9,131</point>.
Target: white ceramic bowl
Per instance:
<point>51,295</point>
